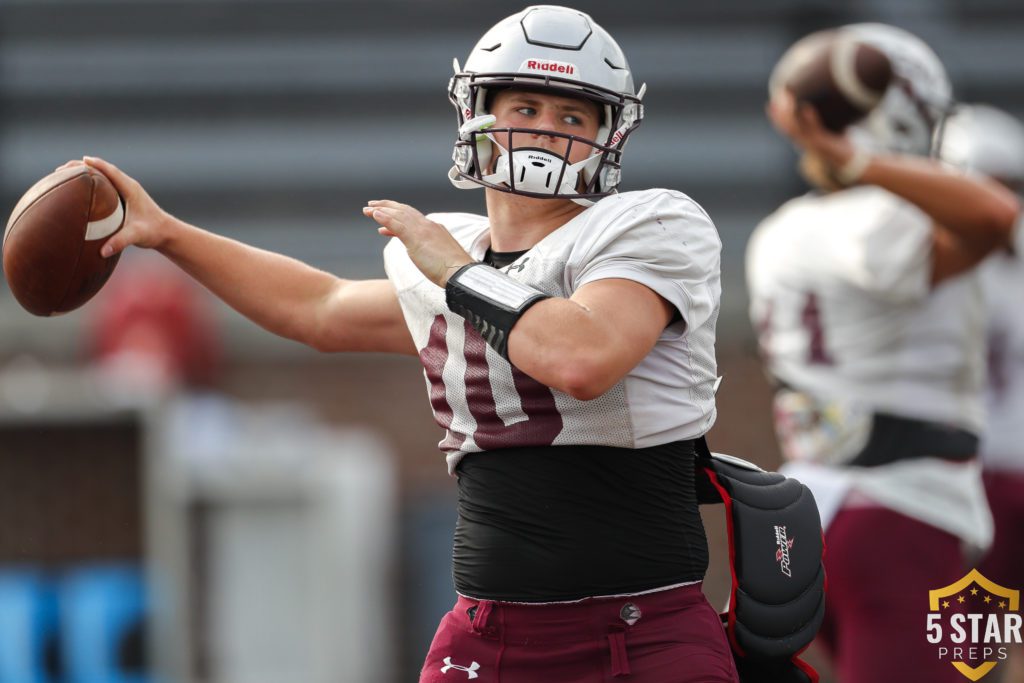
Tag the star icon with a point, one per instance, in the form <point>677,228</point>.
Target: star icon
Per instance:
<point>974,591</point>
<point>988,599</point>
<point>960,599</point>
<point>1002,604</point>
<point>945,603</point>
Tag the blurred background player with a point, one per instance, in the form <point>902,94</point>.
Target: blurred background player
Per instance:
<point>534,324</point>
<point>984,139</point>
<point>870,321</point>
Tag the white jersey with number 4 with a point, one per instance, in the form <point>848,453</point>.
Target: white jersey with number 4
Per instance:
<point>841,296</point>
<point>659,238</point>
<point>844,309</point>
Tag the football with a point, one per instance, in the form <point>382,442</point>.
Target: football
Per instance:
<point>842,77</point>
<point>52,242</point>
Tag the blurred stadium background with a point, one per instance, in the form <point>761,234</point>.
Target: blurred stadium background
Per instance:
<point>281,515</point>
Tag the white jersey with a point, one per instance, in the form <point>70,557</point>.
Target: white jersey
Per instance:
<point>659,238</point>
<point>841,298</point>
<point>1002,445</point>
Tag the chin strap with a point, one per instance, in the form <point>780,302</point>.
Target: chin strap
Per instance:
<point>532,169</point>
<point>777,601</point>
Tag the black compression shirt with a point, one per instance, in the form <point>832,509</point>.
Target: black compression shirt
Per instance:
<point>569,522</point>
<point>500,259</point>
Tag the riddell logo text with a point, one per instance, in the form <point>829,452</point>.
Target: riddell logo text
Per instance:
<point>549,66</point>
<point>782,554</point>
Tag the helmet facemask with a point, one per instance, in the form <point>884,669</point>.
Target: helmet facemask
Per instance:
<point>903,123</point>
<point>538,171</point>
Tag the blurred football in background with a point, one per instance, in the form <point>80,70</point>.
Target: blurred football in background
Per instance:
<point>841,77</point>
<point>52,243</point>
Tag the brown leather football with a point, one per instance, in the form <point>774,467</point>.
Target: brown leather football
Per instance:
<point>841,77</point>
<point>52,243</point>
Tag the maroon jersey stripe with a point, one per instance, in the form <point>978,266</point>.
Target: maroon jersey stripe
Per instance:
<point>543,421</point>
<point>433,357</point>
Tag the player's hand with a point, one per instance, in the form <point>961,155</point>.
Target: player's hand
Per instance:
<point>144,221</point>
<point>800,122</point>
<point>431,247</point>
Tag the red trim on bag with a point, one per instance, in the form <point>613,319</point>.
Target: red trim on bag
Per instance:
<point>806,668</point>
<point>799,663</point>
<point>731,614</point>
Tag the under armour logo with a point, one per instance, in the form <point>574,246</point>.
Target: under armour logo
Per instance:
<point>518,266</point>
<point>470,670</point>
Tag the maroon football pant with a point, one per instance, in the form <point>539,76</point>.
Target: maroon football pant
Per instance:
<point>675,637</point>
<point>880,566</point>
<point>1004,562</point>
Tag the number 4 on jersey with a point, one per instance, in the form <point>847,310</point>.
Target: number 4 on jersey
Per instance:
<point>810,321</point>
<point>817,354</point>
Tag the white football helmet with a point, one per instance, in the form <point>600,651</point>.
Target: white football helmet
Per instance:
<point>987,140</point>
<point>553,49</point>
<point>910,117</point>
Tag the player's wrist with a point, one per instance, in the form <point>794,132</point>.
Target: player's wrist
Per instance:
<point>168,233</point>
<point>452,269</point>
<point>851,171</point>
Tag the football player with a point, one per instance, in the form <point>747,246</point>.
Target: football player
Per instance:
<point>870,321</point>
<point>567,340</point>
<point>987,140</point>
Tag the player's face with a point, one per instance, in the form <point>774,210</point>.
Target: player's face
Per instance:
<point>515,108</point>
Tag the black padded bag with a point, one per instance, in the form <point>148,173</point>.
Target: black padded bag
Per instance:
<point>777,600</point>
